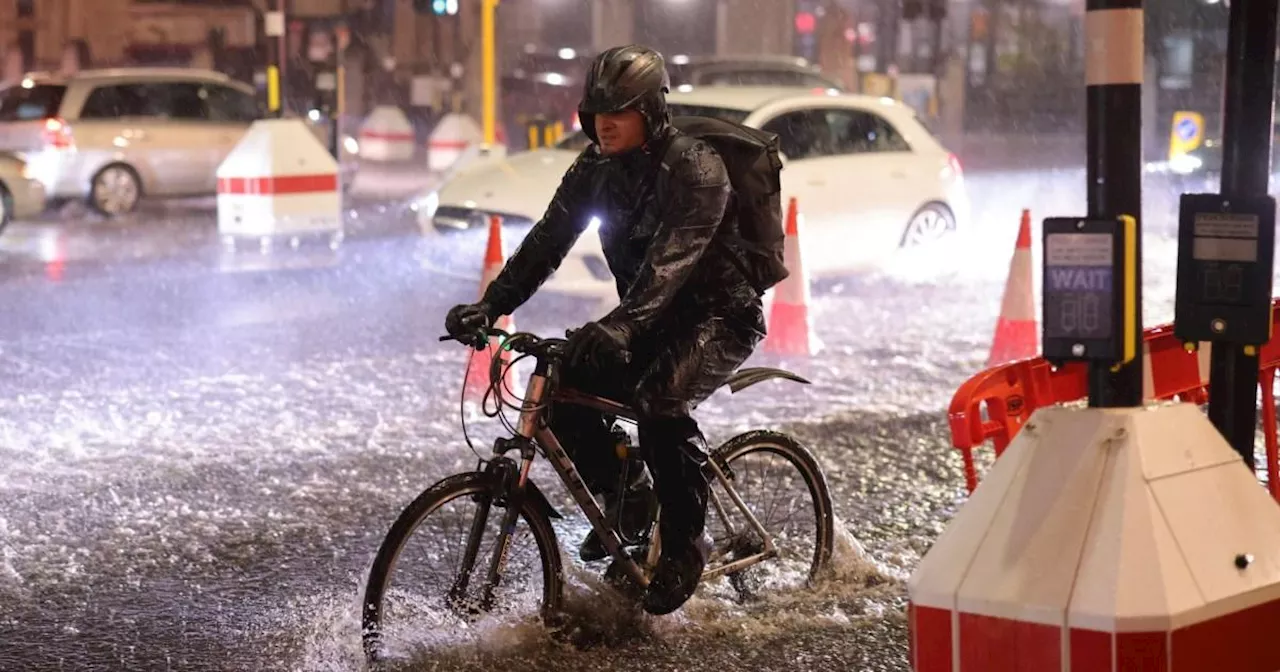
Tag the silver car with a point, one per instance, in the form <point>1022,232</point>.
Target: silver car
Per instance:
<point>112,136</point>
<point>20,196</point>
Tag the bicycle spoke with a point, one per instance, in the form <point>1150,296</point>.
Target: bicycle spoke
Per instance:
<point>776,491</point>
<point>431,591</point>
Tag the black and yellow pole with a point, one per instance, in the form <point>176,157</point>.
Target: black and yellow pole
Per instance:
<point>489,83</point>
<point>273,24</point>
<point>341,40</point>
<point>1113,75</point>
<point>1246,170</point>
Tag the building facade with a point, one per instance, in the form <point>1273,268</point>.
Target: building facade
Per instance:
<point>53,35</point>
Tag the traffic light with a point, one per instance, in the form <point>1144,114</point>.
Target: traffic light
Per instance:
<point>437,7</point>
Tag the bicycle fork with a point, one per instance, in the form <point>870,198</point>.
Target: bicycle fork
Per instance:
<point>511,488</point>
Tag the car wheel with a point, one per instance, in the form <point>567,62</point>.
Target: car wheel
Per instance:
<point>6,207</point>
<point>931,223</point>
<point>116,190</point>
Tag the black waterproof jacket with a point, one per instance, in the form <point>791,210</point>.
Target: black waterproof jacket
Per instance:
<point>668,239</point>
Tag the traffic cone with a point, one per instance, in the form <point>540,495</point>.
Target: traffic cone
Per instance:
<point>1016,336</point>
<point>790,325</point>
<point>478,367</point>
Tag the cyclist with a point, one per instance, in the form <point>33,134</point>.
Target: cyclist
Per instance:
<point>687,315</point>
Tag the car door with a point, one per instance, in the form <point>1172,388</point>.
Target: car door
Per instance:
<point>146,129</point>
<point>802,134</point>
<point>851,179</point>
<point>195,129</point>
<point>875,152</point>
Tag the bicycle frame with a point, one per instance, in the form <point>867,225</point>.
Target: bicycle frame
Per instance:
<point>531,430</point>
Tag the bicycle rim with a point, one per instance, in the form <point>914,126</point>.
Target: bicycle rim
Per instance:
<point>782,485</point>
<point>411,603</point>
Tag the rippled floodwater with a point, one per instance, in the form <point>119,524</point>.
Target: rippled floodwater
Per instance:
<point>200,464</point>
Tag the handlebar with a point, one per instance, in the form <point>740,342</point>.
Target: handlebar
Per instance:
<point>528,344</point>
<point>523,343</point>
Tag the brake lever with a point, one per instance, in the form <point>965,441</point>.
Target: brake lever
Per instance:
<point>481,343</point>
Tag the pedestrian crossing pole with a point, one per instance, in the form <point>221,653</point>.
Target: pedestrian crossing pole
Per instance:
<point>1248,111</point>
<point>1113,76</point>
<point>273,24</point>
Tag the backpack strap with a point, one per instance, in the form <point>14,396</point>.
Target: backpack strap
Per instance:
<point>678,145</point>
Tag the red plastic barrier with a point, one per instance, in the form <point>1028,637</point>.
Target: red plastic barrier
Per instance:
<point>1010,393</point>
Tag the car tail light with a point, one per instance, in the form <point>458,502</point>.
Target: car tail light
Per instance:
<point>57,133</point>
<point>953,168</point>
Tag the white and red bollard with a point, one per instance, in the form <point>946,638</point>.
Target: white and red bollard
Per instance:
<point>450,139</point>
<point>387,135</point>
<point>279,181</point>
<point>1105,540</point>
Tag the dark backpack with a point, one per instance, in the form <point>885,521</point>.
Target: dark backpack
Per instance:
<point>751,157</point>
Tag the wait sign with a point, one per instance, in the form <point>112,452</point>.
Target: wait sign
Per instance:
<point>1089,289</point>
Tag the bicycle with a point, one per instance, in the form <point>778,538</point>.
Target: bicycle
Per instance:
<point>503,483</point>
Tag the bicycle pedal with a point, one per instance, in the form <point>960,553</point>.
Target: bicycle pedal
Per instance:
<point>620,580</point>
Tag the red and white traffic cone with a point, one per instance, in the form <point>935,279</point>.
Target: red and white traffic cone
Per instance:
<point>790,324</point>
<point>1016,333</point>
<point>478,367</point>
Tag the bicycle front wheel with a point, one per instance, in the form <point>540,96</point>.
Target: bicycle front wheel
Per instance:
<point>429,576</point>
<point>780,483</point>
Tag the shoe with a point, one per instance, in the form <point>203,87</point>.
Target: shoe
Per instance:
<point>637,516</point>
<point>677,576</point>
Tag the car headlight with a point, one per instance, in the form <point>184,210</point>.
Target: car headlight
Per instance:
<point>427,205</point>
<point>27,173</point>
<point>1185,164</point>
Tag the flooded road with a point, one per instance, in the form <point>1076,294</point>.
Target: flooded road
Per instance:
<point>200,457</point>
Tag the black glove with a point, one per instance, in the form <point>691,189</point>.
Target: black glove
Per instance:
<point>468,321</point>
<point>598,343</point>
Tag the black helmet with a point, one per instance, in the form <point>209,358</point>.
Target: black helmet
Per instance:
<point>624,78</point>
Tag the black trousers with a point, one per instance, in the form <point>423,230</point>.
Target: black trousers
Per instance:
<point>674,366</point>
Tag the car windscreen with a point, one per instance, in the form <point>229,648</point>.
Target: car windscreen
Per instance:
<point>788,78</point>
<point>578,141</point>
<point>21,103</point>
<point>723,113</point>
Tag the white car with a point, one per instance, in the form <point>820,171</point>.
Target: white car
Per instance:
<point>20,194</point>
<point>113,136</point>
<point>868,178</point>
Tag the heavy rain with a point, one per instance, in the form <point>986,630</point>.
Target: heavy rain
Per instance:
<point>230,232</point>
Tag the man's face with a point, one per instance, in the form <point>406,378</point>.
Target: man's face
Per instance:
<point>620,131</point>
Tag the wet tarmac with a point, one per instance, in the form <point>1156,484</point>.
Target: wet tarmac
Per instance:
<point>201,455</point>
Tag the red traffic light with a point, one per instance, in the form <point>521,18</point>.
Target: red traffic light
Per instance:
<point>806,22</point>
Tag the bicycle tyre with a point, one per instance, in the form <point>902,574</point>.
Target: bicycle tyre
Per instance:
<point>806,464</point>
<point>431,499</point>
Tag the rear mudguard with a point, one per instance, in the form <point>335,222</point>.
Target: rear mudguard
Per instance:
<point>744,378</point>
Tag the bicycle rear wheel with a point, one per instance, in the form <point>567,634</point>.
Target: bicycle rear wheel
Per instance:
<point>780,482</point>
<point>400,619</point>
